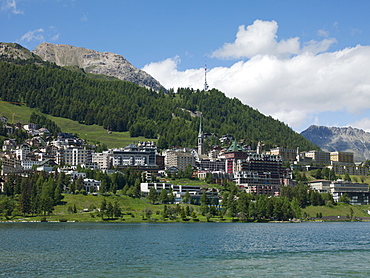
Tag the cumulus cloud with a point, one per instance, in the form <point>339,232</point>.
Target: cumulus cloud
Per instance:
<point>10,5</point>
<point>260,39</point>
<point>172,78</point>
<point>291,89</point>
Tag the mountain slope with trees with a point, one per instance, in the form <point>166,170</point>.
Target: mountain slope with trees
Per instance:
<point>124,106</point>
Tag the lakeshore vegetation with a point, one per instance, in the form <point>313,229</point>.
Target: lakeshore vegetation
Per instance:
<point>44,197</point>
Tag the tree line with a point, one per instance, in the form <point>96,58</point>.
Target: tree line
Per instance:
<point>124,106</point>
<point>41,120</point>
<point>239,205</point>
<point>40,192</point>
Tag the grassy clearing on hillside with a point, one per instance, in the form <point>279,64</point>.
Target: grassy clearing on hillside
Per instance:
<point>91,133</point>
<point>95,133</point>
<point>21,113</point>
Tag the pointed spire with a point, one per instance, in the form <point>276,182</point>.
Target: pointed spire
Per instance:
<point>200,125</point>
<point>200,137</point>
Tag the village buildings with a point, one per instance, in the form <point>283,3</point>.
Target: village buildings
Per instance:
<point>255,171</point>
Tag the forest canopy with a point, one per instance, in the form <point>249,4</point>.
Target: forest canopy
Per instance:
<point>123,106</point>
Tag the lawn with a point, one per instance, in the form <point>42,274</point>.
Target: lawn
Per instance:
<point>191,182</point>
<point>335,210</point>
<point>87,210</point>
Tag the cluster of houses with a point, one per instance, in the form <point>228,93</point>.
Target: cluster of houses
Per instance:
<point>256,171</point>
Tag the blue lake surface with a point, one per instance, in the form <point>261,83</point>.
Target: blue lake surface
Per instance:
<point>185,249</point>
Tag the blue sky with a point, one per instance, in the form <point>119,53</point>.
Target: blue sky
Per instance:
<point>302,62</point>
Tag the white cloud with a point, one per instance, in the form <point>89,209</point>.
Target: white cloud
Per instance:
<point>39,35</point>
<point>260,39</point>
<point>323,33</point>
<point>355,32</point>
<point>315,47</point>
<point>362,124</point>
<point>292,89</point>
<point>10,5</point>
<point>172,78</point>
<point>52,33</point>
<point>35,35</point>
<point>55,37</point>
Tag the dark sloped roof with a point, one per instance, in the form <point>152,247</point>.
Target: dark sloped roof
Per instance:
<point>235,147</point>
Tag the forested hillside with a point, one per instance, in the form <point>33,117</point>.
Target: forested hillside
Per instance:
<point>123,106</point>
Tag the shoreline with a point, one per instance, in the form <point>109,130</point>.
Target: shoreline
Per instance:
<point>181,221</point>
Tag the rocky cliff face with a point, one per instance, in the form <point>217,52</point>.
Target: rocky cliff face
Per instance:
<point>95,62</point>
<point>344,139</point>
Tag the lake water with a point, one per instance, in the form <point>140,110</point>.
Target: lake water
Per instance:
<point>185,250</point>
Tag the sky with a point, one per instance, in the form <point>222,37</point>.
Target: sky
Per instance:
<point>301,62</point>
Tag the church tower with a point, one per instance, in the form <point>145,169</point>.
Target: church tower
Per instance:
<point>200,138</point>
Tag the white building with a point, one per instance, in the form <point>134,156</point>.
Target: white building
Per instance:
<point>91,185</point>
<point>30,126</point>
<point>76,175</point>
<point>9,144</point>
<point>358,193</point>
<point>179,191</point>
<point>318,157</point>
<point>102,159</point>
<point>350,169</point>
<point>73,156</point>
<point>22,151</point>
<point>143,155</point>
<point>179,159</point>
<point>27,164</point>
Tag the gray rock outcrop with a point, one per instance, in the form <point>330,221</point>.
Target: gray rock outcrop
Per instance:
<point>343,139</point>
<point>92,61</point>
<point>14,51</point>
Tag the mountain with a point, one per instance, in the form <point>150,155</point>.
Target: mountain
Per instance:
<point>343,139</point>
<point>92,61</point>
<point>14,51</point>
<point>122,106</point>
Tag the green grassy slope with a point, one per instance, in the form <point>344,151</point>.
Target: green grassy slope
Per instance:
<point>133,210</point>
<point>91,133</point>
<point>339,209</point>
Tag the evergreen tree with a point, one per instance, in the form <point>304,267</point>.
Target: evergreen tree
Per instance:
<point>103,207</point>
<point>152,195</point>
<point>163,197</point>
<point>187,198</point>
<point>347,177</point>
<point>243,204</point>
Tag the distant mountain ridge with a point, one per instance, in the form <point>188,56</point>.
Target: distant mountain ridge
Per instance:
<point>92,61</point>
<point>344,139</point>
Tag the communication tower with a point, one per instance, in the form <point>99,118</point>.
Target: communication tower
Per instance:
<point>205,78</point>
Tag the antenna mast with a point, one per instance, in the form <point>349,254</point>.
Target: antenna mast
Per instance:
<point>205,78</point>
